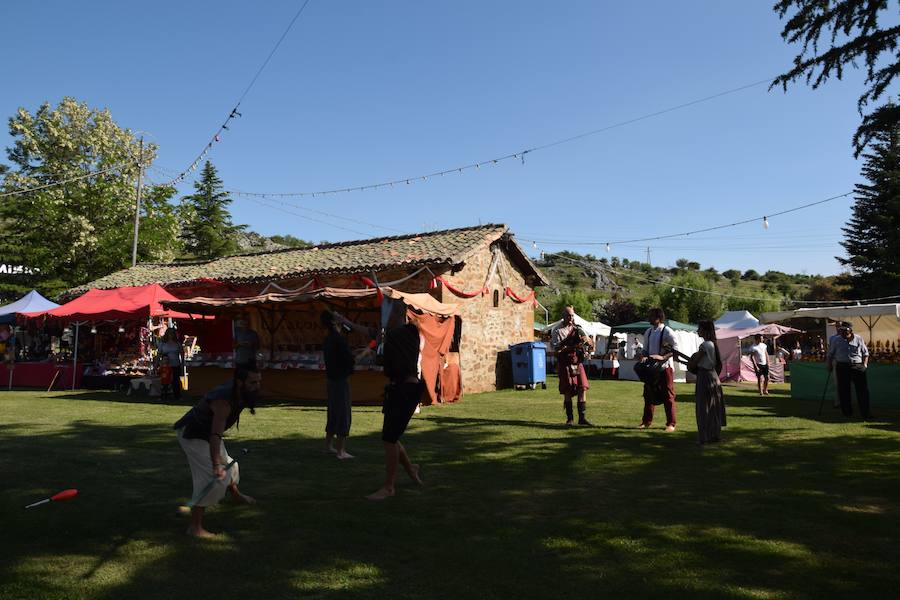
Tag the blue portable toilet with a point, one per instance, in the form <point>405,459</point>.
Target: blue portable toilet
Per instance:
<point>529,364</point>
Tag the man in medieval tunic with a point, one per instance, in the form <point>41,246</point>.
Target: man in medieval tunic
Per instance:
<point>570,343</point>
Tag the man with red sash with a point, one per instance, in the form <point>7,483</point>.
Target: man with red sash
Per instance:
<point>570,342</point>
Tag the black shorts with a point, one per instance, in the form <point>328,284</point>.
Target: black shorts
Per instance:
<point>400,402</point>
<point>762,370</point>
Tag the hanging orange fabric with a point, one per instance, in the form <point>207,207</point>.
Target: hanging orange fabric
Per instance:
<point>438,334</point>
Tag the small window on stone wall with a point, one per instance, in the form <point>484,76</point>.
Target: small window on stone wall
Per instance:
<point>496,298</point>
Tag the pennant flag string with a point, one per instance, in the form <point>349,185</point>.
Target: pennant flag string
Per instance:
<point>217,136</point>
<point>518,156</point>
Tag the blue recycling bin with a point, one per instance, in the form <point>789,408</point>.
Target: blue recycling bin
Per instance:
<point>529,364</point>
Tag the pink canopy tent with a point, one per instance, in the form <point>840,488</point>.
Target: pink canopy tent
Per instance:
<point>735,366</point>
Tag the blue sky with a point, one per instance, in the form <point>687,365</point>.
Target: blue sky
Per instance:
<point>363,92</point>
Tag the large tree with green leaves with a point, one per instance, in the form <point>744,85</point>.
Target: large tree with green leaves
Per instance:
<point>67,235</point>
<point>872,236</point>
<point>687,298</point>
<point>835,34</point>
<point>207,230</point>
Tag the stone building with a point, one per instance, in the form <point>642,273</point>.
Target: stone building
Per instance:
<point>481,268</point>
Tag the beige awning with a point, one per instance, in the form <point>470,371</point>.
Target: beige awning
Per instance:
<point>301,300</point>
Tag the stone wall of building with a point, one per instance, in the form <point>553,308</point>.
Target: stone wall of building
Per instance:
<point>490,323</point>
<point>487,329</point>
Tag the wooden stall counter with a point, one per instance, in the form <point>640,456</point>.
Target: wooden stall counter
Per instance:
<point>302,386</point>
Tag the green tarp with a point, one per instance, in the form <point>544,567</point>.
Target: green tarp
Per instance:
<point>808,383</point>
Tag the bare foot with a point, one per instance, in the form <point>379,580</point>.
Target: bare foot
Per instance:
<point>242,499</point>
<point>381,494</point>
<point>329,450</point>
<point>200,533</point>
<point>413,473</point>
<point>344,455</point>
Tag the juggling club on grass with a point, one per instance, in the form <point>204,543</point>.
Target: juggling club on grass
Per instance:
<point>63,495</point>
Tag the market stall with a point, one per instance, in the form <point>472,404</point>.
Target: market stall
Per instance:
<point>121,328</point>
<point>734,347</point>
<point>878,324</point>
<point>291,338</point>
<point>18,345</point>
<point>685,336</point>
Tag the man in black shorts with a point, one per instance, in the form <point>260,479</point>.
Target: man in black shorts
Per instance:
<point>402,351</point>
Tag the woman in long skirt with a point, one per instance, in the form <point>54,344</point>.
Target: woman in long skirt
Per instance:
<point>710,405</point>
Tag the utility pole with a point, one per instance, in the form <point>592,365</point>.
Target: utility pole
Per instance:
<point>648,256</point>
<point>137,204</point>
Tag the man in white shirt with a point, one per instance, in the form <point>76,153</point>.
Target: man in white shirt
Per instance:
<point>660,345</point>
<point>636,348</point>
<point>759,356</point>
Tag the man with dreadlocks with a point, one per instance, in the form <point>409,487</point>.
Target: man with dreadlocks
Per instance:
<point>200,433</point>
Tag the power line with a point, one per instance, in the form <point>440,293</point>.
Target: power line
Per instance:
<point>63,182</point>
<point>314,220</point>
<point>333,216</point>
<point>763,218</point>
<point>520,156</point>
<point>217,136</point>
<point>783,299</point>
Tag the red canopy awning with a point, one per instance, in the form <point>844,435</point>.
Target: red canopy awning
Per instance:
<point>115,304</point>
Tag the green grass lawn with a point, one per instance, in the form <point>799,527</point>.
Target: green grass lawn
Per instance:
<point>791,505</point>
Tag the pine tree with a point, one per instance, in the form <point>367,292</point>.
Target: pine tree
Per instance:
<point>836,34</point>
<point>207,230</point>
<point>872,236</point>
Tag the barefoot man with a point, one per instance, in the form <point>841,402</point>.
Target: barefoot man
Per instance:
<point>402,365</point>
<point>200,433</point>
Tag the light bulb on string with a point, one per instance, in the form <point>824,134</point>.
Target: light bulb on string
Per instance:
<point>121,329</point>
<point>765,222</point>
<point>93,329</point>
<point>607,246</point>
<point>673,290</point>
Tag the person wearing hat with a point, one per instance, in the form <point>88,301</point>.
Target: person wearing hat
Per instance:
<point>849,357</point>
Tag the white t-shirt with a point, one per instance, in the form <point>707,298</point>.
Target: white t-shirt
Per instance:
<point>761,352</point>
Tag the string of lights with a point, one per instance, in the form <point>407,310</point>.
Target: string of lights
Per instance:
<point>516,156</point>
<point>764,218</point>
<point>217,136</point>
<point>673,287</point>
<point>64,181</point>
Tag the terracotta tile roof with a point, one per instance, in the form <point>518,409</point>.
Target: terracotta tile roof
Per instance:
<point>446,247</point>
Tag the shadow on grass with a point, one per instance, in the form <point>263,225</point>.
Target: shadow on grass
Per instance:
<point>512,508</point>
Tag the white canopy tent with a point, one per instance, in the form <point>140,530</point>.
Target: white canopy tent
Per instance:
<point>737,319</point>
<point>877,323</point>
<point>597,331</point>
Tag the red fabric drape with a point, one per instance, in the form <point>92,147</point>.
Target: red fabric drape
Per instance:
<point>517,298</point>
<point>460,293</point>
<point>438,334</point>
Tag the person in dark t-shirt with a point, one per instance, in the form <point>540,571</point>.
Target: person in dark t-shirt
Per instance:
<point>402,366</point>
<point>200,432</point>
<point>339,365</point>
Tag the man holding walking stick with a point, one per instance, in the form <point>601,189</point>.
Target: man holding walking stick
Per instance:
<point>849,357</point>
